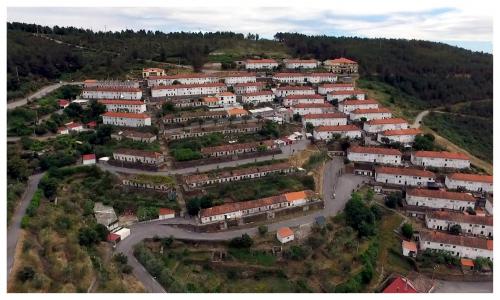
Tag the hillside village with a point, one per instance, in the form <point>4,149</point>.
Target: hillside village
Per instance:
<point>212,131</point>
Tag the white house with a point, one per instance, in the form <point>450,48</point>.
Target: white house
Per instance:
<point>470,182</point>
<point>312,108</point>
<point>285,235</point>
<point>347,106</point>
<point>319,77</point>
<point>299,99</point>
<point>470,224</point>
<point>300,63</point>
<point>326,119</point>
<point>328,132</point>
<point>112,92</point>
<point>193,78</point>
<point>138,156</point>
<point>457,245</point>
<point>232,78</point>
<point>341,65</point>
<point>226,98</point>
<point>188,89</point>
<point>326,88</point>
<point>343,95</point>
<point>290,78</point>
<point>378,125</point>
<point>440,199</point>
<point>111,83</point>
<point>166,213</point>
<point>376,155</point>
<point>248,87</point>
<point>126,119</point>
<point>404,176</point>
<point>440,159</point>
<point>88,159</point>
<point>284,91</point>
<point>370,114</point>
<point>404,136</point>
<point>253,64</point>
<point>147,72</point>
<point>133,106</point>
<point>257,97</point>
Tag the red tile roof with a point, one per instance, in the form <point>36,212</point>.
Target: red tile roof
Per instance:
<point>460,217</point>
<point>243,84</point>
<point>471,177</point>
<point>289,74</point>
<point>312,105</point>
<point>335,115</point>
<point>226,94</point>
<point>63,102</point>
<point>232,207</point>
<point>182,76</point>
<point>346,92</point>
<point>284,232</point>
<point>341,60</point>
<point>359,102</point>
<point>294,87</point>
<point>337,128</point>
<point>441,154</point>
<point>113,237</point>
<point>88,156</point>
<point>371,110</point>
<point>409,131</point>
<point>261,93</point>
<point>313,96</point>
<point>260,61</point>
<point>459,240</point>
<point>165,211</point>
<point>127,102</point>
<point>112,89</point>
<point>73,125</point>
<point>140,153</point>
<point>235,147</point>
<point>187,86</point>
<point>386,121</point>
<point>236,74</point>
<point>410,246</point>
<point>400,285</point>
<point>299,61</point>
<point>441,194</point>
<point>374,150</point>
<point>404,171</point>
<point>466,262</point>
<point>112,114</point>
<point>332,85</point>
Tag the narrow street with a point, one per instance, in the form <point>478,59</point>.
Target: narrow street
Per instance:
<point>39,94</point>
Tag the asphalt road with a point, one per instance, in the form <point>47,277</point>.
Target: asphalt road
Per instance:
<point>344,184</point>
<point>14,229</point>
<point>463,287</point>
<point>39,94</point>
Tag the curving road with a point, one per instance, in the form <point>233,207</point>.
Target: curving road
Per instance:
<point>343,184</point>
<point>39,94</point>
<point>14,230</point>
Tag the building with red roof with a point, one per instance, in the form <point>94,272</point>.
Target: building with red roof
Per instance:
<point>63,103</point>
<point>379,125</point>
<point>375,155</point>
<point>88,159</point>
<point>188,89</point>
<point>456,245</point>
<point>253,64</point>
<point>478,225</point>
<point>341,65</point>
<point>400,285</point>
<point>347,106</point>
<point>300,63</point>
<point>182,78</point>
<point>404,176</point>
<point>325,119</point>
<point>166,213</point>
<point>403,136</point>
<point>126,119</point>
<point>112,92</point>
<point>370,113</point>
<point>440,199</point>
<point>470,182</point>
<point>329,132</point>
<point>292,100</point>
<point>119,105</point>
<point>285,235</point>
<point>440,159</point>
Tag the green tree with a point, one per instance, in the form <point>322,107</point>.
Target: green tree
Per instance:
<point>87,236</point>
<point>25,274</point>
<point>455,229</point>
<point>193,206</point>
<point>263,229</point>
<point>309,127</point>
<point>245,241</point>
<point>407,230</point>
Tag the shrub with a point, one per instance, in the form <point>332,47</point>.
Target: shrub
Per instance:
<point>407,230</point>
<point>455,229</point>
<point>262,229</point>
<point>245,241</point>
<point>120,258</point>
<point>25,274</point>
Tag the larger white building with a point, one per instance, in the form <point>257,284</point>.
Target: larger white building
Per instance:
<point>404,136</point>
<point>233,78</point>
<point>300,63</point>
<point>404,176</point>
<point>193,78</point>
<point>299,99</point>
<point>470,182</point>
<point>188,89</point>
<point>253,64</point>
<point>457,245</point>
<point>257,97</point>
<point>138,156</point>
<point>341,65</point>
<point>347,106</point>
<point>370,114</point>
<point>112,92</point>
<point>284,91</point>
<point>126,119</point>
<point>147,72</point>
<point>248,87</point>
<point>312,108</point>
<point>133,106</point>
<point>329,132</point>
<point>470,224</point>
<point>376,155</point>
<point>327,119</point>
<point>374,126</point>
<point>340,96</point>
<point>440,199</point>
<point>440,159</point>
<point>326,88</point>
